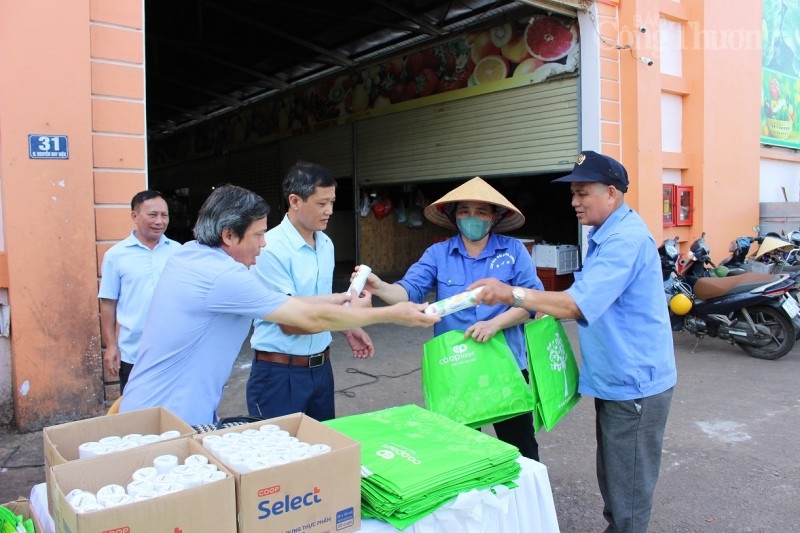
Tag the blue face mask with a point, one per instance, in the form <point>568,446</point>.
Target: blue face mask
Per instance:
<point>473,228</point>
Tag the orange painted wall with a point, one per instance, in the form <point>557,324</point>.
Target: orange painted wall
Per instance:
<point>77,70</point>
<point>720,144</point>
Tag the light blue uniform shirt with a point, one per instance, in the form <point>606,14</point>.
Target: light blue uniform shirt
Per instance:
<point>201,313</point>
<point>447,268</point>
<point>129,275</point>
<point>288,265</point>
<point>626,338</point>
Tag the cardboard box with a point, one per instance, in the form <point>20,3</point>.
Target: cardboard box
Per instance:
<point>318,494</point>
<point>22,507</point>
<point>562,257</point>
<point>209,507</point>
<point>61,442</point>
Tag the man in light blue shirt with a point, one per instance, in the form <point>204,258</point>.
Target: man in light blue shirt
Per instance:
<point>627,356</point>
<point>206,300</point>
<point>291,371</point>
<point>130,271</point>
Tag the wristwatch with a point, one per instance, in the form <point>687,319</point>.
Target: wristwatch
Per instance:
<point>519,296</point>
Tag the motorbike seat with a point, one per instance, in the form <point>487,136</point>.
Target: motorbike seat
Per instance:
<point>707,288</point>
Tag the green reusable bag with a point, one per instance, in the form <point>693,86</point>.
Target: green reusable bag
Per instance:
<point>473,383</point>
<point>553,371</point>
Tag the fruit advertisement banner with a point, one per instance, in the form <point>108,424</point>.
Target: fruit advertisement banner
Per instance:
<point>511,54</point>
<point>780,78</point>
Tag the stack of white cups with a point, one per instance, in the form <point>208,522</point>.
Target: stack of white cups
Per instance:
<point>166,476</point>
<point>254,449</point>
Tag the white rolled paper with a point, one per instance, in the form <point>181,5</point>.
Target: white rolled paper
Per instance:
<point>210,467</point>
<point>103,449</point>
<point>112,441</point>
<point>191,479</point>
<point>88,508</point>
<point>170,488</point>
<point>88,449</point>
<point>127,445</point>
<point>240,463</point>
<point>109,492</point>
<point>210,477</point>
<point>79,499</point>
<point>318,449</point>
<point>146,473</point>
<point>140,485</point>
<point>145,495</point>
<point>171,434</point>
<point>116,500</point>
<point>196,459</point>
<point>183,469</point>
<point>135,437</point>
<point>149,439</point>
<point>165,463</point>
<point>269,427</point>
<point>164,479</point>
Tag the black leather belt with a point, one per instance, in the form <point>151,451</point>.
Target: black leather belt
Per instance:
<point>308,361</point>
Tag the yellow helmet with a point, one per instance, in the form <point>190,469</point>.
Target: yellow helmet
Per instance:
<point>680,304</point>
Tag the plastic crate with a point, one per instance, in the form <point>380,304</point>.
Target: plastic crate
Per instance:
<point>553,281</point>
<point>562,257</point>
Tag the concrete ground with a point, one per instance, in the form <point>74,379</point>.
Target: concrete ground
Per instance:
<point>730,461</point>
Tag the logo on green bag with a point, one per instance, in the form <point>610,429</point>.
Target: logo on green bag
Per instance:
<point>390,452</point>
<point>558,360</point>
<point>460,355</point>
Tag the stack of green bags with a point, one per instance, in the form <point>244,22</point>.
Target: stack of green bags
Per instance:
<point>11,522</point>
<point>413,461</point>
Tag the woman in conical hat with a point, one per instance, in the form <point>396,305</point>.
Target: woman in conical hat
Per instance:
<point>477,212</point>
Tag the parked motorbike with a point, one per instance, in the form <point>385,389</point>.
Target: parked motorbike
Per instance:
<point>740,248</point>
<point>698,264</point>
<point>752,311</point>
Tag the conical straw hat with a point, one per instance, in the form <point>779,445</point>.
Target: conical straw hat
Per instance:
<point>475,190</point>
<point>772,243</point>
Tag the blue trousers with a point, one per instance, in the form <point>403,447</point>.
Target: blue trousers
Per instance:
<point>275,390</point>
<point>630,435</point>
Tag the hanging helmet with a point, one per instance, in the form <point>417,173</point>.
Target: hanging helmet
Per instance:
<point>680,304</point>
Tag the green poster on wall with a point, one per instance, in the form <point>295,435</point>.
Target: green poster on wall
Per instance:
<point>780,78</point>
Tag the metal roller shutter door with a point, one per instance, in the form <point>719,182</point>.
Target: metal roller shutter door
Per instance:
<point>526,130</point>
<point>330,147</point>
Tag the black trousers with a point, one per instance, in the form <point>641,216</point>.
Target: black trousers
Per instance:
<point>518,431</point>
<point>124,374</point>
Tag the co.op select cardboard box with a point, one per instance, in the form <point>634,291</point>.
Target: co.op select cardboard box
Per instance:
<point>206,508</point>
<point>318,494</point>
<point>61,442</point>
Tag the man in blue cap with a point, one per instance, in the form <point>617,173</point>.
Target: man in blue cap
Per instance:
<point>627,357</point>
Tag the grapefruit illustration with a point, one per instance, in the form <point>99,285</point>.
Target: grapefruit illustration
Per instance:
<point>491,68</point>
<point>548,39</point>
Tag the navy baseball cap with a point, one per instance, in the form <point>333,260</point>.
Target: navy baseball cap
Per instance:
<point>593,167</point>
